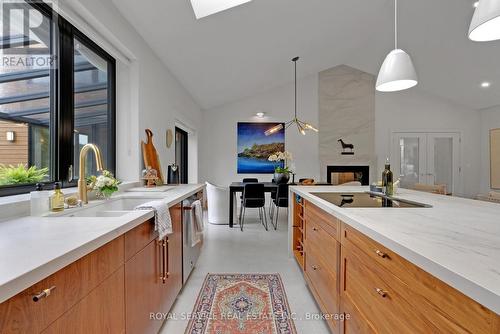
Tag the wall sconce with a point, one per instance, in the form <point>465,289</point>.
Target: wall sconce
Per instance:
<point>11,136</point>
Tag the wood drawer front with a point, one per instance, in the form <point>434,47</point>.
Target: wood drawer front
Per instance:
<point>102,311</point>
<point>324,245</point>
<point>20,314</point>
<point>445,306</point>
<point>356,322</point>
<point>328,222</point>
<point>137,238</point>
<point>332,324</point>
<point>379,297</point>
<point>324,282</point>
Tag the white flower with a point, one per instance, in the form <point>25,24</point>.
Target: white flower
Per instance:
<point>273,157</point>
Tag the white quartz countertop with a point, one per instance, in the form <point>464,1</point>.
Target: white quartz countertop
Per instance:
<point>32,248</point>
<point>457,240</point>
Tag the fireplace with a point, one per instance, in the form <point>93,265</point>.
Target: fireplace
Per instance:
<point>342,174</point>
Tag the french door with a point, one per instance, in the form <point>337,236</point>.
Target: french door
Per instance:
<point>431,158</point>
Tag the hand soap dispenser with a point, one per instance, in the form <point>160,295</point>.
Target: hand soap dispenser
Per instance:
<point>57,198</point>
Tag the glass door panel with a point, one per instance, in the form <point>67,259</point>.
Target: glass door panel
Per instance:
<point>443,164</point>
<point>427,158</point>
<point>408,160</point>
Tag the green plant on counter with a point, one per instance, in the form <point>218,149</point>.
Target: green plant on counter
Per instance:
<point>21,174</point>
<point>105,185</point>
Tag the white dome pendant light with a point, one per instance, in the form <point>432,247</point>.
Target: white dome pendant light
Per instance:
<point>397,71</point>
<point>485,24</point>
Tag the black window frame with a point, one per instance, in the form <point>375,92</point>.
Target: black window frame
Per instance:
<point>62,102</point>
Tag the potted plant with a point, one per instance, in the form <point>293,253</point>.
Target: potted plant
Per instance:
<point>281,170</point>
<point>104,185</point>
<point>21,174</point>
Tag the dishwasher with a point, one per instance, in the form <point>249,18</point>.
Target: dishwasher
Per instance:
<point>190,253</point>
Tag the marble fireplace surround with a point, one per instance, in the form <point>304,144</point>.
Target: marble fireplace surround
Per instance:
<point>347,112</point>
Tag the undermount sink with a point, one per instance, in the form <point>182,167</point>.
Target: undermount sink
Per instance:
<point>111,208</point>
<point>90,212</point>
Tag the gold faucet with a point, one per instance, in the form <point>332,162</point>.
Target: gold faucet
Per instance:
<point>82,183</point>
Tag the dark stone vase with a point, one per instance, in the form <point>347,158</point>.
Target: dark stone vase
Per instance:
<point>281,178</point>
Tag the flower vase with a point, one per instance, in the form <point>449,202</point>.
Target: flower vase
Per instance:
<point>281,178</point>
<point>103,196</point>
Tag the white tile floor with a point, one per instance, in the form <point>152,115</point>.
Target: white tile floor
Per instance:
<point>254,250</point>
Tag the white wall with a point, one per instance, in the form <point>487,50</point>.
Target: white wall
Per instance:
<point>490,119</point>
<point>218,140</point>
<point>148,95</point>
<point>414,110</point>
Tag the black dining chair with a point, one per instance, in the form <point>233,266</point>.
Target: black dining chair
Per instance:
<point>273,196</point>
<point>250,180</point>
<point>281,201</point>
<point>253,197</point>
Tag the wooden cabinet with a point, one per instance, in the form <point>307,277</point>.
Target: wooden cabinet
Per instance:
<point>102,311</point>
<point>143,288</point>
<point>114,289</point>
<point>153,275</point>
<point>298,230</point>
<point>174,255</point>
<point>409,299</point>
<point>20,314</point>
<point>375,289</point>
<point>321,264</point>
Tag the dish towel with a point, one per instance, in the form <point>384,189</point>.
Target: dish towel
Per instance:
<point>163,221</point>
<point>196,222</point>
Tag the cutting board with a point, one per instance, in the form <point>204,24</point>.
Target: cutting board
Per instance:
<point>150,155</point>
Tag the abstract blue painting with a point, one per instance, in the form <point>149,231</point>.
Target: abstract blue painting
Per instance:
<point>254,147</point>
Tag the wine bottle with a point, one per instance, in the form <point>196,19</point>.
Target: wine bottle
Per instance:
<point>387,179</point>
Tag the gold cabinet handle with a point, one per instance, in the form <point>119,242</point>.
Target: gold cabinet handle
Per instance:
<point>162,260</point>
<point>43,294</point>
<point>315,229</point>
<point>315,267</point>
<point>381,254</point>
<point>165,250</point>
<point>381,292</point>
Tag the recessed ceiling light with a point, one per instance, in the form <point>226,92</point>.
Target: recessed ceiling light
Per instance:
<point>475,4</point>
<point>260,114</point>
<point>485,84</point>
<point>204,8</point>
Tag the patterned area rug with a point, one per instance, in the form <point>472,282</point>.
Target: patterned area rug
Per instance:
<point>241,304</point>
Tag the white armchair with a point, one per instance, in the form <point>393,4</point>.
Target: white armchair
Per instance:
<point>218,204</point>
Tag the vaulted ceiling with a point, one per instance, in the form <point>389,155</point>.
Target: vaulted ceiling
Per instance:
<point>247,49</point>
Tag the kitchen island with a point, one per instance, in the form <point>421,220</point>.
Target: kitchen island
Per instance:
<point>454,242</point>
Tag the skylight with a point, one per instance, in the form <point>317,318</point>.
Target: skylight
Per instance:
<point>204,8</point>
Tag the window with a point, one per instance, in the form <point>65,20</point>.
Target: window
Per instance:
<point>56,95</point>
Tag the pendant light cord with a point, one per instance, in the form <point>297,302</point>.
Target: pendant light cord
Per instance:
<point>395,24</point>
<point>295,61</point>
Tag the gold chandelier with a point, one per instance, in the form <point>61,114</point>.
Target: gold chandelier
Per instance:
<point>301,125</point>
